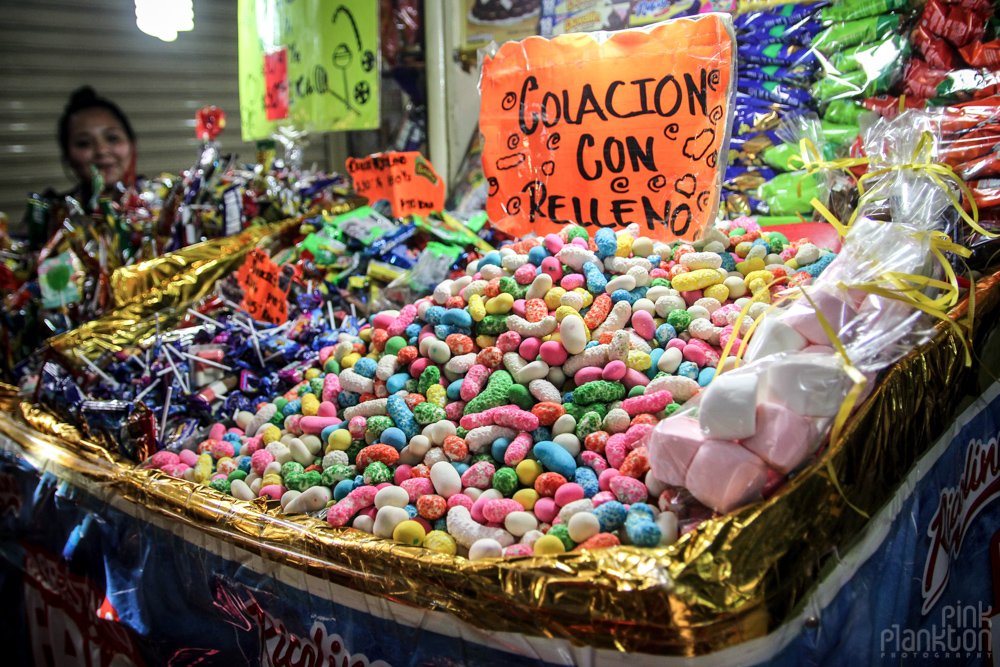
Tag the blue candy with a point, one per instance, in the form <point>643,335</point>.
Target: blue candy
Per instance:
<point>611,515</point>
<point>537,254</point>
<point>458,317</point>
<point>620,295</point>
<point>817,267</point>
<point>412,331</point>
<point>567,397</point>
<point>397,382</point>
<point>688,369</point>
<point>541,433</point>
<point>490,258</point>
<point>348,399</point>
<point>411,510</point>
<point>655,260</point>
<point>705,376</point>
<point>402,417</point>
<point>433,315</point>
<point>454,390</point>
<point>642,530</point>
<point>440,524</point>
<point>499,448</point>
<point>245,464</point>
<point>596,282</point>
<point>365,367</point>
<point>606,241</point>
<point>555,458</point>
<point>587,478</point>
<point>292,407</point>
<point>343,487</point>
<point>460,467</point>
<point>393,437</point>
<point>655,357</point>
<point>233,438</point>
<point>665,333</point>
<point>728,263</point>
<point>593,343</point>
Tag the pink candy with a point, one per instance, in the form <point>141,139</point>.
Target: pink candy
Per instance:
<point>568,493</point>
<point>594,461</point>
<point>354,502</point>
<point>460,499</point>
<point>605,477</point>
<point>497,510</point>
<point>405,319</point>
<point>589,374</point>
<point>614,371</point>
<point>474,382</point>
<point>553,353</point>
<point>161,459</point>
<point>416,487</point>
<point>517,450</point>
<point>479,475</point>
<point>644,325</point>
<point>651,403</point>
<point>507,342</point>
<point>572,282</point>
<point>546,509</point>
<point>628,490</point>
<point>260,460</point>
<point>529,348</point>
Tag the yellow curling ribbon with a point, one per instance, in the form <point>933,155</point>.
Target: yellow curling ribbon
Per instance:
<point>756,298</point>
<point>811,161</point>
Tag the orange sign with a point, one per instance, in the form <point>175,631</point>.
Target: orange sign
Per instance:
<point>265,287</point>
<point>604,134</point>
<point>407,180</point>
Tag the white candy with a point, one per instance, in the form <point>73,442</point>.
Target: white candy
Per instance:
<point>536,370</point>
<point>592,356</point>
<point>312,443</point>
<point>460,364</point>
<point>583,526</point>
<point>442,292</point>
<point>526,329</point>
<point>335,457</point>
<point>641,276</point>
<point>255,486</point>
<point>367,409</point>
<point>668,304</point>
<point>478,438</point>
<point>364,523</point>
<point>240,490</point>
<point>435,456</point>
<point>540,286</point>
<point>519,523</point>
<point>644,304</point>
<point>420,444</point>
<point>564,424</point>
<point>300,453</point>
<point>243,419</point>
<point>616,319</point>
<point>312,499</point>
<point>568,441</point>
<point>670,360</point>
<point>287,497</point>
<point>393,496</point>
<point>387,519</point>
<point>440,430</point>
<point>625,282</point>
<point>623,264</point>
<point>467,532</point>
<point>569,510</point>
<point>531,537</point>
<point>272,468</point>
<point>485,548</point>
<point>446,480</point>
<point>544,391</point>
<point>473,493</point>
<point>475,287</point>
<point>667,521</point>
<point>281,453</point>
<point>386,367</point>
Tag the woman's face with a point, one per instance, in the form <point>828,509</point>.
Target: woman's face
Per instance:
<point>97,138</point>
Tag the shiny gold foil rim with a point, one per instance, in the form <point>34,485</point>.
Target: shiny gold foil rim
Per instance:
<point>733,579</point>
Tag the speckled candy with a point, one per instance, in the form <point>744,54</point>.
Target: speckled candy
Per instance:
<point>384,454</point>
<point>377,473</point>
<point>479,475</point>
<point>628,489</point>
<point>548,483</point>
<point>431,507</point>
<point>505,481</point>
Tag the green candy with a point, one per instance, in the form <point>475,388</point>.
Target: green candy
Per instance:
<point>660,282</point>
<point>505,481</point>
<point>375,425</point>
<point>410,386</point>
<point>590,423</point>
<point>296,481</point>
<point>430,377</point>
<point>482,456</point>
<point>598,391</point>
<point>280,403</point>
<point>291,468</point>
<point>237,474</point>
<point>223,485</point>
<point>577,233</point>
<point>461,432</point>
<point>736,231</point>
<point>331,366</point>
<point>394,345</point>
<point>578,411</point>
<point>278,419</point>
<point>318,462</point>
<point>637,390</point>
<point>493,396</point>
<point>679,319</point>
<point>377,473</point>
<point>511,286</point>
<point>661,374</point>
<point>519,395</point>
<point>775,246</point>
<point>492,325</point>
<point>561,531</point>
<point>337,473</point>
<point>313,478</point>
<point>316,386</point>
<point>355,449</point>
<point>427,413</point>
<point>671,409</point>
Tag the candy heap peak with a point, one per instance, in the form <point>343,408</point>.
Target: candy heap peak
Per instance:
<point>504,414</point>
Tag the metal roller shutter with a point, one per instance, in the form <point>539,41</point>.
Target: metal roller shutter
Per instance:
<point>48,48</point>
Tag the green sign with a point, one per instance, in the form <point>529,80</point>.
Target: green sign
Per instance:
<point>310,65</point>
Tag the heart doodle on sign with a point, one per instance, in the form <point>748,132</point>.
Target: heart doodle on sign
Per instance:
<point>548,167</point>
<point>696,147</point>
<point>686,185</point>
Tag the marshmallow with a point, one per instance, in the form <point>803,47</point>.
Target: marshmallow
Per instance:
<point>672,445</point>
<point>783,439</point>
<point>728,407</point>
<point>812,385</point>
<point>773,336</point>
<point>802,317</point>
<point>725,476</point>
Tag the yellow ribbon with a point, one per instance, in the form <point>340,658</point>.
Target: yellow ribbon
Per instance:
<point>810,159</point>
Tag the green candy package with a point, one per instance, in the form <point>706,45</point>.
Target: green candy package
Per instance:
<point>852,10</point>
<point>791,193</point>
<point>839,37</point>
<point>872,57</point>
<point>844,112</point>
<point>852,84</point>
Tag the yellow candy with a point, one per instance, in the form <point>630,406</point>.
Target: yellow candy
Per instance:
<point>791,263</point>
<point>271,434</point>
<point>696,280</point>
<point>563,311</point>
<point>409,532</point>
<point>624,245</point>
<point>313,373</point>
<point>528,471</point>
<point>720,292</point>
<point>486,341</point>
<point>588,298</point>
<point>310,405</point>
<point>365,335</point>
<point>549,545</point>
<point>500,304</point>
<point>742,249</point>
<point>273,478</point>
<point>339,440</point>
<point>351,359</point>
<point>204,460</point>
<point>764,275</point>
<point>527,498</point>
<point>437,395</point>
<point>477,309</point>
<point>553,296</point>
<point>374,355</point>
<point>202,473</point>
<point>639,361</point>
<point>441,542</point>
<point>749,266</point>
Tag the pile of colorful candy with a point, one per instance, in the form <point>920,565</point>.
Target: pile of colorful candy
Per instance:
<point>504,413</point>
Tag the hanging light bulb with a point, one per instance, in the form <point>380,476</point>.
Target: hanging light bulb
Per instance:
<point>164,18</point>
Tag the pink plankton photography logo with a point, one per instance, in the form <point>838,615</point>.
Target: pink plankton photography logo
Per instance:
<point>963,633</point>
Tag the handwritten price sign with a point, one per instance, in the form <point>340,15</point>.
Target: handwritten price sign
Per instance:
<point>407,180</point>
<point>265,288</point>
<point>604,134</point>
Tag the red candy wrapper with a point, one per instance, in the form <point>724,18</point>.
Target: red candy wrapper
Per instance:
<point>938,53</point>
<point>978,54</point>
<point>887,106</point>
<point>985,6</point>
<point>955,23</point>
<point>969,146</point>
<point>985,192</point>
<point>209,122</point>
<point>982,167</point>
<point>922,80</point>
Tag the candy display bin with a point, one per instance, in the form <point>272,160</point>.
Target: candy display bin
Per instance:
<point>884,535</point>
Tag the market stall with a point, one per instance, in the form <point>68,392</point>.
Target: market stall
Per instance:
<point>643,407</point>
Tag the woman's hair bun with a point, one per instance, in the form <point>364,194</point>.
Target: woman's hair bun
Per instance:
<point>82,97</point>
